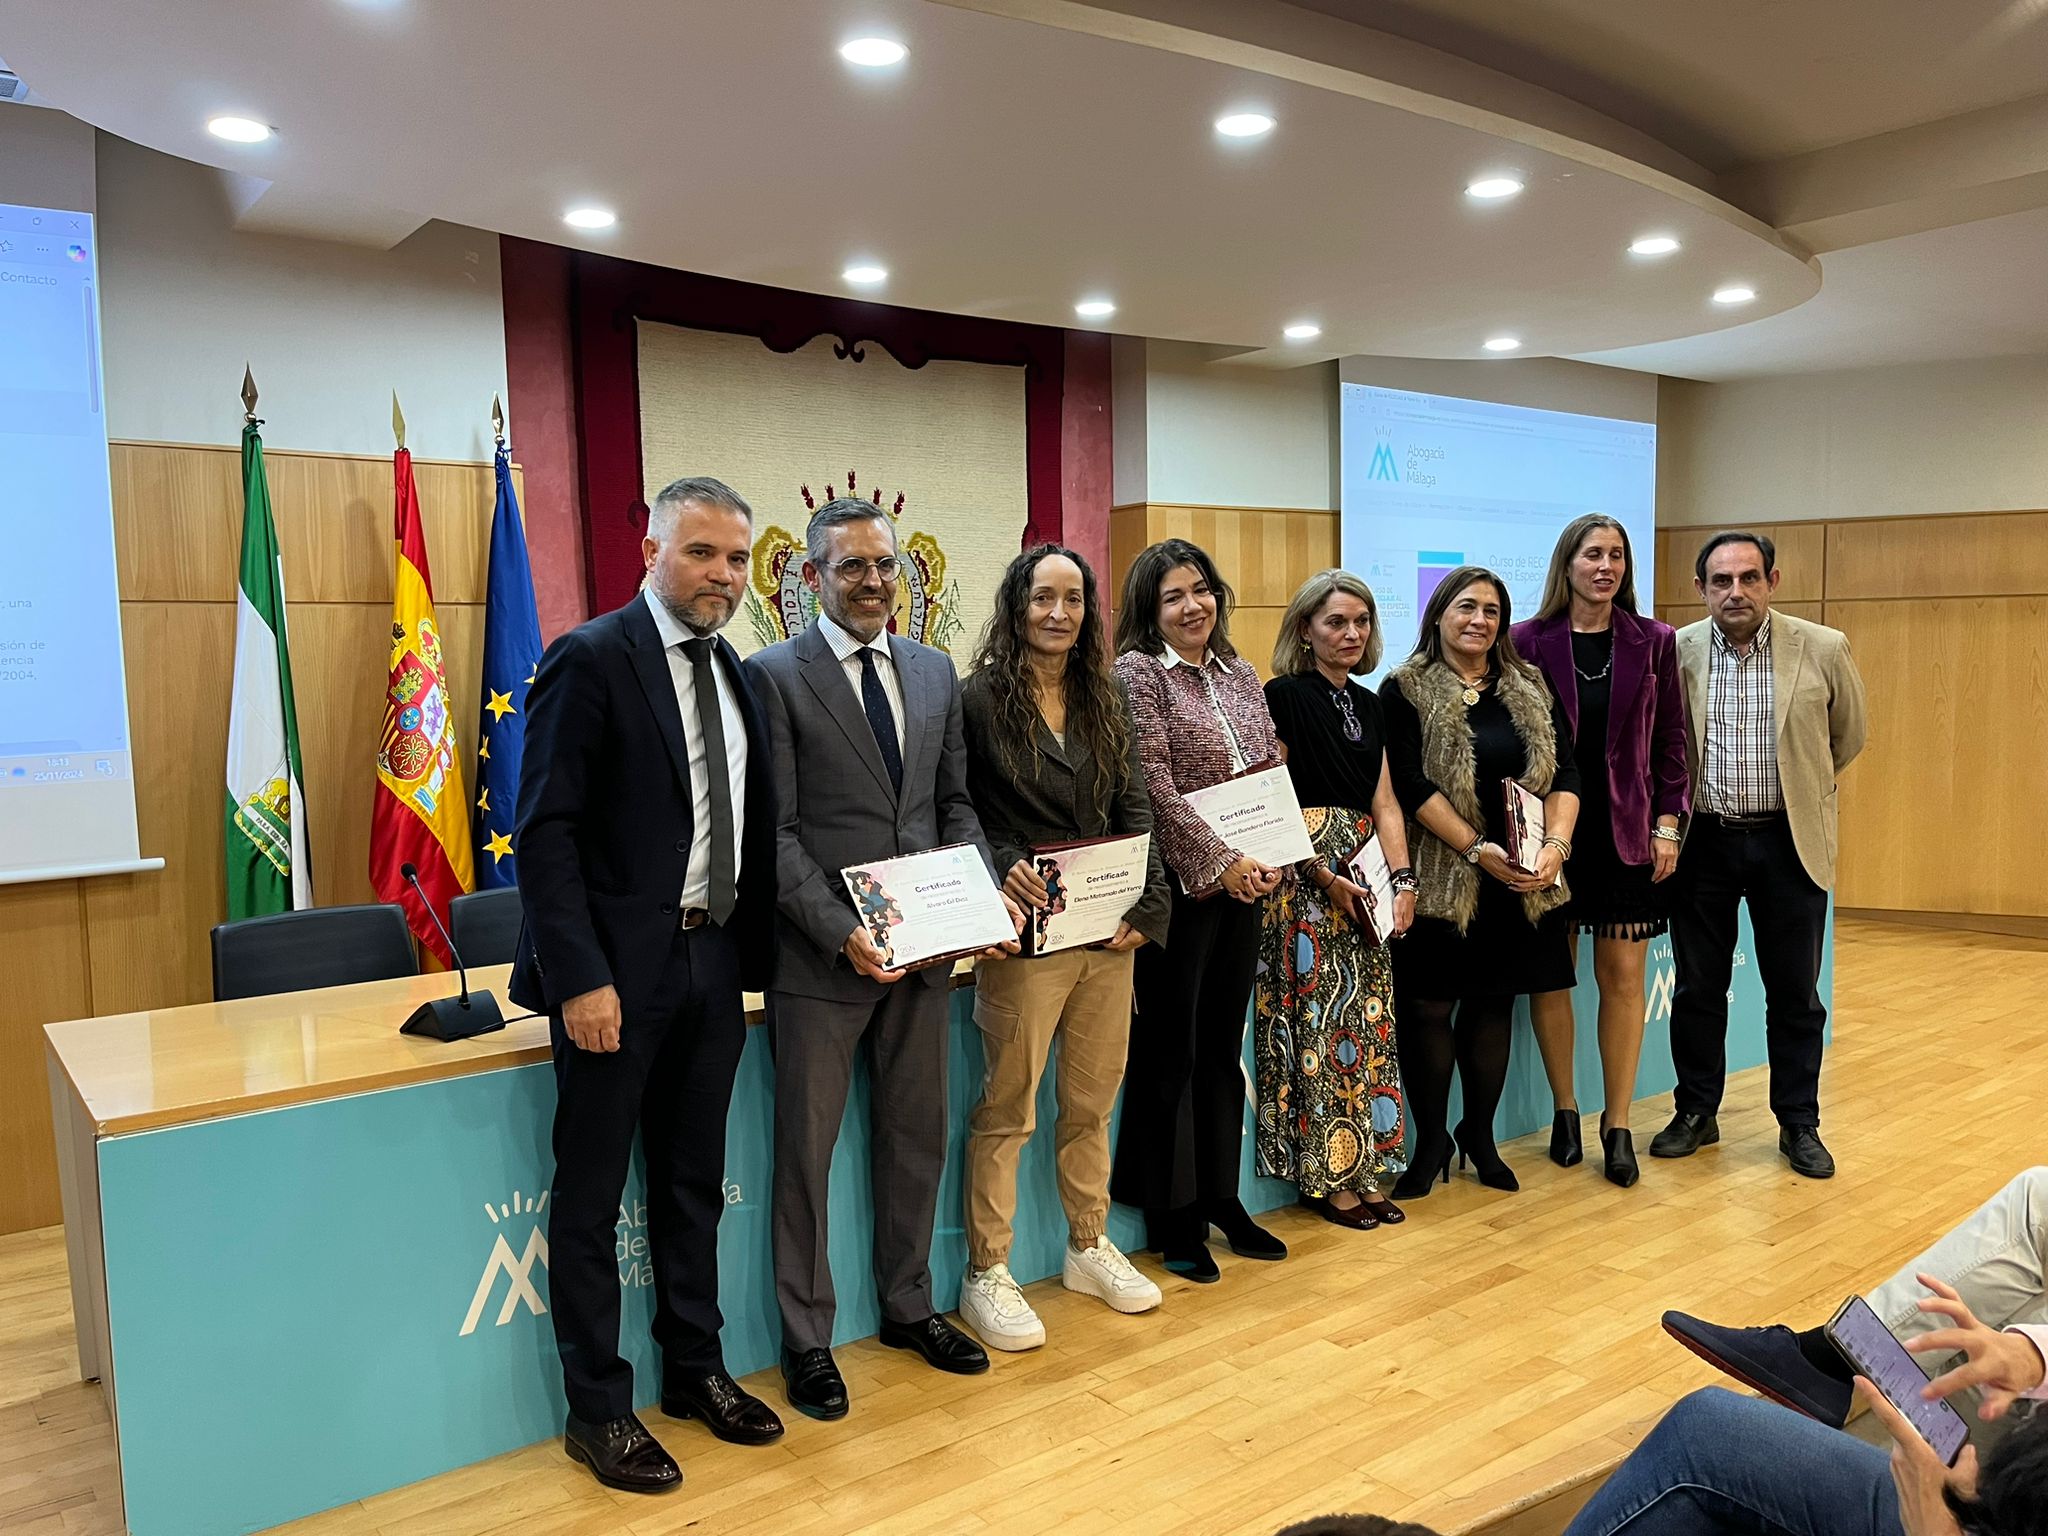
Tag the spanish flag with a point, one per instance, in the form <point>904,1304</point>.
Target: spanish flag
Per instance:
<point>422,812</point>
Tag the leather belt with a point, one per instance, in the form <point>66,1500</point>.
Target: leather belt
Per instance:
<point>1745,823</point>
<point>693,917</point>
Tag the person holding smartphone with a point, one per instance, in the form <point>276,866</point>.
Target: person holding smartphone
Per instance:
<point>1723,1462</point>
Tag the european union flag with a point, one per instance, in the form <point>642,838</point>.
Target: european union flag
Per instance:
<point>511,652</point>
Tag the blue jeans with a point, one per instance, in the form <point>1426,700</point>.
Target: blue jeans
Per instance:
<point>1720,1463</point>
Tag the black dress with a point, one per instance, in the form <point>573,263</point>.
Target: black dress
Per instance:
<point>1501,953</point>
<point>1610,899</point>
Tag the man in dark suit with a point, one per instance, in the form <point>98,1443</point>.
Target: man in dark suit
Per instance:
<point>646,843</point>
<point>870,763</point>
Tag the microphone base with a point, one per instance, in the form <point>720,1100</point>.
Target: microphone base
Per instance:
<point>446,1018</point>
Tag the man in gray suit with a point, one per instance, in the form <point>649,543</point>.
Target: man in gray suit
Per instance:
<point>869,763</point>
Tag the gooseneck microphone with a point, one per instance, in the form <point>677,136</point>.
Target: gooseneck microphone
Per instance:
<point>449,1018</point>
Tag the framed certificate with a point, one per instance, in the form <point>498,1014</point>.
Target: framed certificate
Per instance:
<point>1089,887</point>
<point>1255,813</point>
<point>931,906</point>
<point>1368,867</point>
<point>1525,827</point>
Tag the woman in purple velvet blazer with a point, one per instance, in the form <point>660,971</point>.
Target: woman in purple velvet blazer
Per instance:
<point>1616,674</point>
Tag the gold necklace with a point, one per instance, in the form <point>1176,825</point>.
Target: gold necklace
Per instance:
<point>1470,696</point>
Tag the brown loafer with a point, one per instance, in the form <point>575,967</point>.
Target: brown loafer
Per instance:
<point>1357,1218</point>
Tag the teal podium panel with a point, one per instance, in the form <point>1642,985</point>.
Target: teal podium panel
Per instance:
<point>313,1304</point>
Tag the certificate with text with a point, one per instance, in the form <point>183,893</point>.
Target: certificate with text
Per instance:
<point>923,907</point>
<point>1256,813</point>
<point>1089,887</point>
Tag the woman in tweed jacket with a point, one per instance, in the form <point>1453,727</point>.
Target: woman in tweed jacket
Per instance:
<point>1200,717</point>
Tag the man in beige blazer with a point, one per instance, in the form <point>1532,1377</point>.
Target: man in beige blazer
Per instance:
<point>1774,713</point>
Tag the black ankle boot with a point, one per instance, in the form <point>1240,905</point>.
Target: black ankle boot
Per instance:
<point>1566,1149</point>
<point>1621,1157</point>
<point>1247,1239</point>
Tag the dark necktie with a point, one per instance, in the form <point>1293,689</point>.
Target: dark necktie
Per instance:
<point>876,702</point>
<point>724,892</point>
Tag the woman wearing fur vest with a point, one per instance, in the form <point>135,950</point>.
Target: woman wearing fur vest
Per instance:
<point>1465,714</point>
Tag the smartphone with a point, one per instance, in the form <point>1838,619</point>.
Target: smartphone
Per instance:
<point>1873,1350</point>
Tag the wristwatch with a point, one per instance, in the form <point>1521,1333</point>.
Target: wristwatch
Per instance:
<point>1472,853</point>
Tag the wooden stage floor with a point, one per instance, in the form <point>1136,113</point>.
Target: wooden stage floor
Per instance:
<point>1471,1369</point>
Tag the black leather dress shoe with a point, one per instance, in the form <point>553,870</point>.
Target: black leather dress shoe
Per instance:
<point>622,1454</point>
<point>812,1382</point>
<point>941,1344</point>
<point>1685,1135</point>
<point>728,1410</point>
<point>1802,1147</point>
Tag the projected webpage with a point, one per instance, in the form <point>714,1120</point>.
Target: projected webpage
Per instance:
<point>67,802</point>
<point>1432,482</point>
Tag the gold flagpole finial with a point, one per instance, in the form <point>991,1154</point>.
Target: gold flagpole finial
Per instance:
<point>397,420</point>
<point>498,420</point>
<point>248,395</point>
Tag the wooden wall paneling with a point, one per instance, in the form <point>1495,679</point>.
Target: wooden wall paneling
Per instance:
<point>1253,631</point>
<point>339,653</point>
<point>1678,617</point>
<point>42,955</point>
<point>177,521</point>
<point>1129,532</point>
<point>148,931</point>
<point>1993,554</point>
<point>1263,553</point>
<point>1958,691</point>
<point>1802,558</point>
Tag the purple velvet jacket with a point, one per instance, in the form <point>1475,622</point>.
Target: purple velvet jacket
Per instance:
<point>1645,750</point>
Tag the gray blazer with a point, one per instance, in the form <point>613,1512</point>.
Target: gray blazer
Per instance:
<point>834,804</point>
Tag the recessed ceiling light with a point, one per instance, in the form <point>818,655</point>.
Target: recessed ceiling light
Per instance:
<point>1244,125</point>
<point>1304,330</point>
<point>1737,295</point>
<point>590,218</point>
<point>1095,309</point>
<point>866,274</point>
<point>873,52</point>
<point>1502,343</point>
<point>1653,245</point>
<point>1492,188</point>
<point>238,130</point>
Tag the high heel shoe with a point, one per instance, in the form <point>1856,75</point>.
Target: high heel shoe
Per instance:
<point>1486,1161</point>
<point>1566,1149</point>
<point>1621,1157</point>
<point>1247,1239</point>
<point>1423,1173</point>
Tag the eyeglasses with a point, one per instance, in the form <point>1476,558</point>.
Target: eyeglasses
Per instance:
<point>854,569</point>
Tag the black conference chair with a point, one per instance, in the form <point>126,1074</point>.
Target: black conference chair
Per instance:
<point>319,947</point>
<point>486,925</point>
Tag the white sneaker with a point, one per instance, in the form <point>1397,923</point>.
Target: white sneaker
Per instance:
<point>992,1305</point>
<point>1101,1270</point>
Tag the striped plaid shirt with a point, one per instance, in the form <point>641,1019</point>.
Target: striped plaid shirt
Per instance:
<point>1739,758</point>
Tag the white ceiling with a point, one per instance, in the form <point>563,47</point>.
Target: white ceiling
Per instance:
<point>1731,82</point>
<point>1035,152</point>
<point>1973,290</point>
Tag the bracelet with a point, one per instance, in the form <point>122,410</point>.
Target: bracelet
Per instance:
<point>1404,880</point>
<point>1666,834</point>
<point>1559,844</point>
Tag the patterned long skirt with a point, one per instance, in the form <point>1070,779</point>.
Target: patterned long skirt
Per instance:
<point>1329,1088</point>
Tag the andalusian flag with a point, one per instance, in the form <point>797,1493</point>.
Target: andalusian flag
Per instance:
<point>422,813</point>
<point>511,652</point>
<point>267,867</point>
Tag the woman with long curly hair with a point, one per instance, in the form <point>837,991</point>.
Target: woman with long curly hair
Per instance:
<point>1051,758</point>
